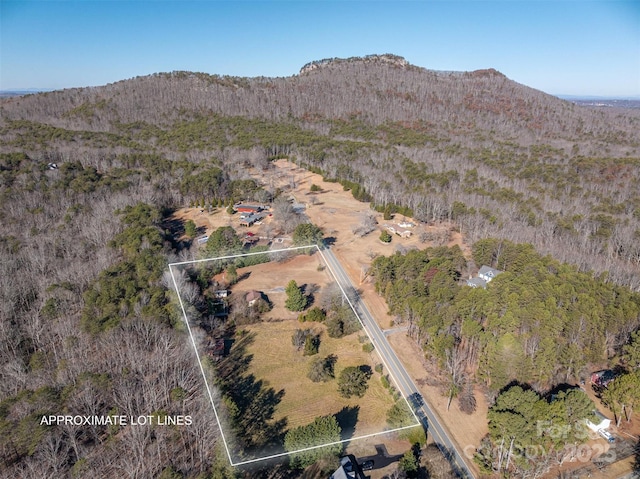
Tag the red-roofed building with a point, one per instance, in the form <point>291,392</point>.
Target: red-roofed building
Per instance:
<point>248,208</point>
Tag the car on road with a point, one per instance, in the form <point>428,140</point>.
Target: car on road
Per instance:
<point>416,400</point>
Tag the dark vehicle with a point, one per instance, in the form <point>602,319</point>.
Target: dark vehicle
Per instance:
<point>601,379</point>
<point>367,465</point>
<point>416,400</point>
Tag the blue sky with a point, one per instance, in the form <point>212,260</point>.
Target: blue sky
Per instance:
<point>559,46</point>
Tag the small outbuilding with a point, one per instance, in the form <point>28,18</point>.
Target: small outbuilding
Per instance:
<point>253,296</point>
<point>602,425</point>
<point>601,379</point>
<point>406,224</point>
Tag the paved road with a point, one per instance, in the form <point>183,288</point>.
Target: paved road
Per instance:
<point>396,369</point>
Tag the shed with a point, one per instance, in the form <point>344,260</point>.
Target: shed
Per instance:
<point>604,423</point>
<point>602,378</point>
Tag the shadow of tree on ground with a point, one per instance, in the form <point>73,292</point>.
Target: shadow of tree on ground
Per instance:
<point>249,404</point>
<point>347,419</point>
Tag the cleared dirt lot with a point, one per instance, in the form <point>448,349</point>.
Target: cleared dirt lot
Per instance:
<point>271,279</point>
<point>337,212</point>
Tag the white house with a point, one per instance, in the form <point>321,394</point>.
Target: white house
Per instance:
<point>487,273</point>
<point>398,231</point>
<point>602,425</point>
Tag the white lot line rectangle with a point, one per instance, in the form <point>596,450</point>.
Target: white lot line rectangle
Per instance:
<point>204,376</point>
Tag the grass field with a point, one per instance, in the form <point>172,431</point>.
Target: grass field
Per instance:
<point>277,365</point>
<point>276,361</point>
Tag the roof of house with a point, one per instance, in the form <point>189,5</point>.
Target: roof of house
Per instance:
<point>475,282</point>
<point>397,230</point>
<point>489,271</point>
<point>218,346</point>
<point>253,295</point>
<point>601,416</point>
<point>602,423</point>
<point>348,469</point>
<point>252,218</point>
<point>248,207</point>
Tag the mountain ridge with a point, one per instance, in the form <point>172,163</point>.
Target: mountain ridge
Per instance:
<point>376,89</point>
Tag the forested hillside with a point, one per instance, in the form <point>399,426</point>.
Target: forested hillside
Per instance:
<point>88,326</point>
<point>540,322</point>
<point>498,157</point>
<point>539,328</point>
